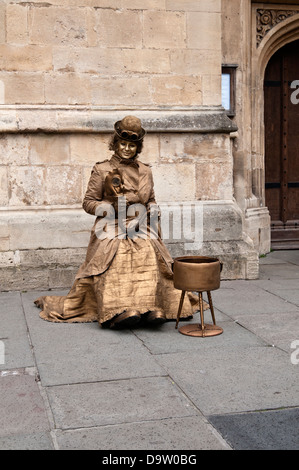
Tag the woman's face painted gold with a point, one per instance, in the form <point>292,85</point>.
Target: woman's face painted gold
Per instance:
<point>126,149</point>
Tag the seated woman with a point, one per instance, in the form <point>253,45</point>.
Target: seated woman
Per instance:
<point>127,276</point>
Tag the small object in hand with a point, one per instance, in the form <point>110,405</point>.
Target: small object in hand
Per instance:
<point>113,183</point>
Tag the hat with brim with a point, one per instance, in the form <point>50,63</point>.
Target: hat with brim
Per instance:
<point>129,128</point>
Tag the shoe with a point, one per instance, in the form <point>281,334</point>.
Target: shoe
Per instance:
<point>126,319</point>
<point>156,317</point>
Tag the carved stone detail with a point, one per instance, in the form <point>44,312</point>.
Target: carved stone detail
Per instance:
<point>267,19</point>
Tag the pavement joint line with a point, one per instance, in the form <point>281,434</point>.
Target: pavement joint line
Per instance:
<point>42,390</point>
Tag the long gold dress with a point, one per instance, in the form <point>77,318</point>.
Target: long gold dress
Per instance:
<point>119,272</point>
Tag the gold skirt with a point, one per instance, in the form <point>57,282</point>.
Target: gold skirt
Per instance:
<point>137,278</point>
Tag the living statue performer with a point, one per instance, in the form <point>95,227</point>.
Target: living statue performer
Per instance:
<point>127,275</point>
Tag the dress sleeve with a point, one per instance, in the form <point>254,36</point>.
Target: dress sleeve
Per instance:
<point>152,197</point>
<point>94,193</point>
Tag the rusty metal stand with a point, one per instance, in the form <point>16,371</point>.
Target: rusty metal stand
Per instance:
<point>202,329</point>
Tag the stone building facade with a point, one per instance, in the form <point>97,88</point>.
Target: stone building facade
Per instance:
<point>70,68</point>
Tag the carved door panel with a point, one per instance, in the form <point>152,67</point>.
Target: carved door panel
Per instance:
<point>281,90</point>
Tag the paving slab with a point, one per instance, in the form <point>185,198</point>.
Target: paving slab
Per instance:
<point>246,298</point>
<point>263,430</point>
<point>28,441</point>
<point>23,416</point>
<point>13,333</point>
<point>288,294</point>
<point>227,380</point>
<point>270,258</point>
<point>277,329</point>
<point>279,271</point>
<point>283,256</point>
<point>170,340</point>
<point>84,352</point>
<point>117,402</point>
<point>187,433</point>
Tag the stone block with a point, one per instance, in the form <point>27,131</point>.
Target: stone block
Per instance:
<point>26,185</point>
<point>67,257</point>
<point>87,149</point>
<point>222,221</point>
<point>14,149</point>
<point>49,149</point>
<point>129,91</point>
<point>32,230</point>
<point>144,5</point>
<point>151,149</point>
<point>7,258</point>
<point>194,5</point>
<point>174,182</point>
<point>116,61</point>
<point>23,88</point>
<point>58,25</point>
<point>67,88</point>
<point>211,86</point>
<point>3,186</point>
<point>63,185</point>
<point>27,58</point>
<point>145,61</point>
<point>37,119</point>
<point>177,147</point>
<point>257,226</point>
<point>164,29</point>
<point>204,30</point>
<point>4,238</point>
<point>2,22</point>
<point>195,62</point>
<point>176,90</point>
<point>214,181</point>
<point>61,277</point>
<point>95,60</point>
<point>119,28</point>
<point>16,24</point>
<point>91,31</point>
<point>86,171</point>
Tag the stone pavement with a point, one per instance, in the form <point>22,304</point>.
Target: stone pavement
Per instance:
<point>77,386</point>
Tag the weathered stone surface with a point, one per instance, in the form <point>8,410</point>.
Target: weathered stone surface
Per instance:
<point>22,87</point>
<point>27,58</point>
<point>26,185</point>
<point>59,25</point>
<point>164,30</point>
<point>111,31</point>
<point>14,149</point>
<point>176,188</point>
<point>49,149</point>
<point>178,90</point>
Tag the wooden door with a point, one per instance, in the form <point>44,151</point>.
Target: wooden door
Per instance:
<point>281,91</point>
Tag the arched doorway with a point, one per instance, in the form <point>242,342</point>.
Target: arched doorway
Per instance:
<point>281,117</point>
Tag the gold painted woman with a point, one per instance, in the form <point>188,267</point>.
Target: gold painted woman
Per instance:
<point>126,278</point>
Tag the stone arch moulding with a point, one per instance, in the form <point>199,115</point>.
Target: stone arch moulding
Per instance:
<point>281,34</point>
<point>257,218</point>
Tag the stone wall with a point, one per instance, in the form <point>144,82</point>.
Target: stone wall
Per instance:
<point>110,53</point>
<point>68,70</point>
